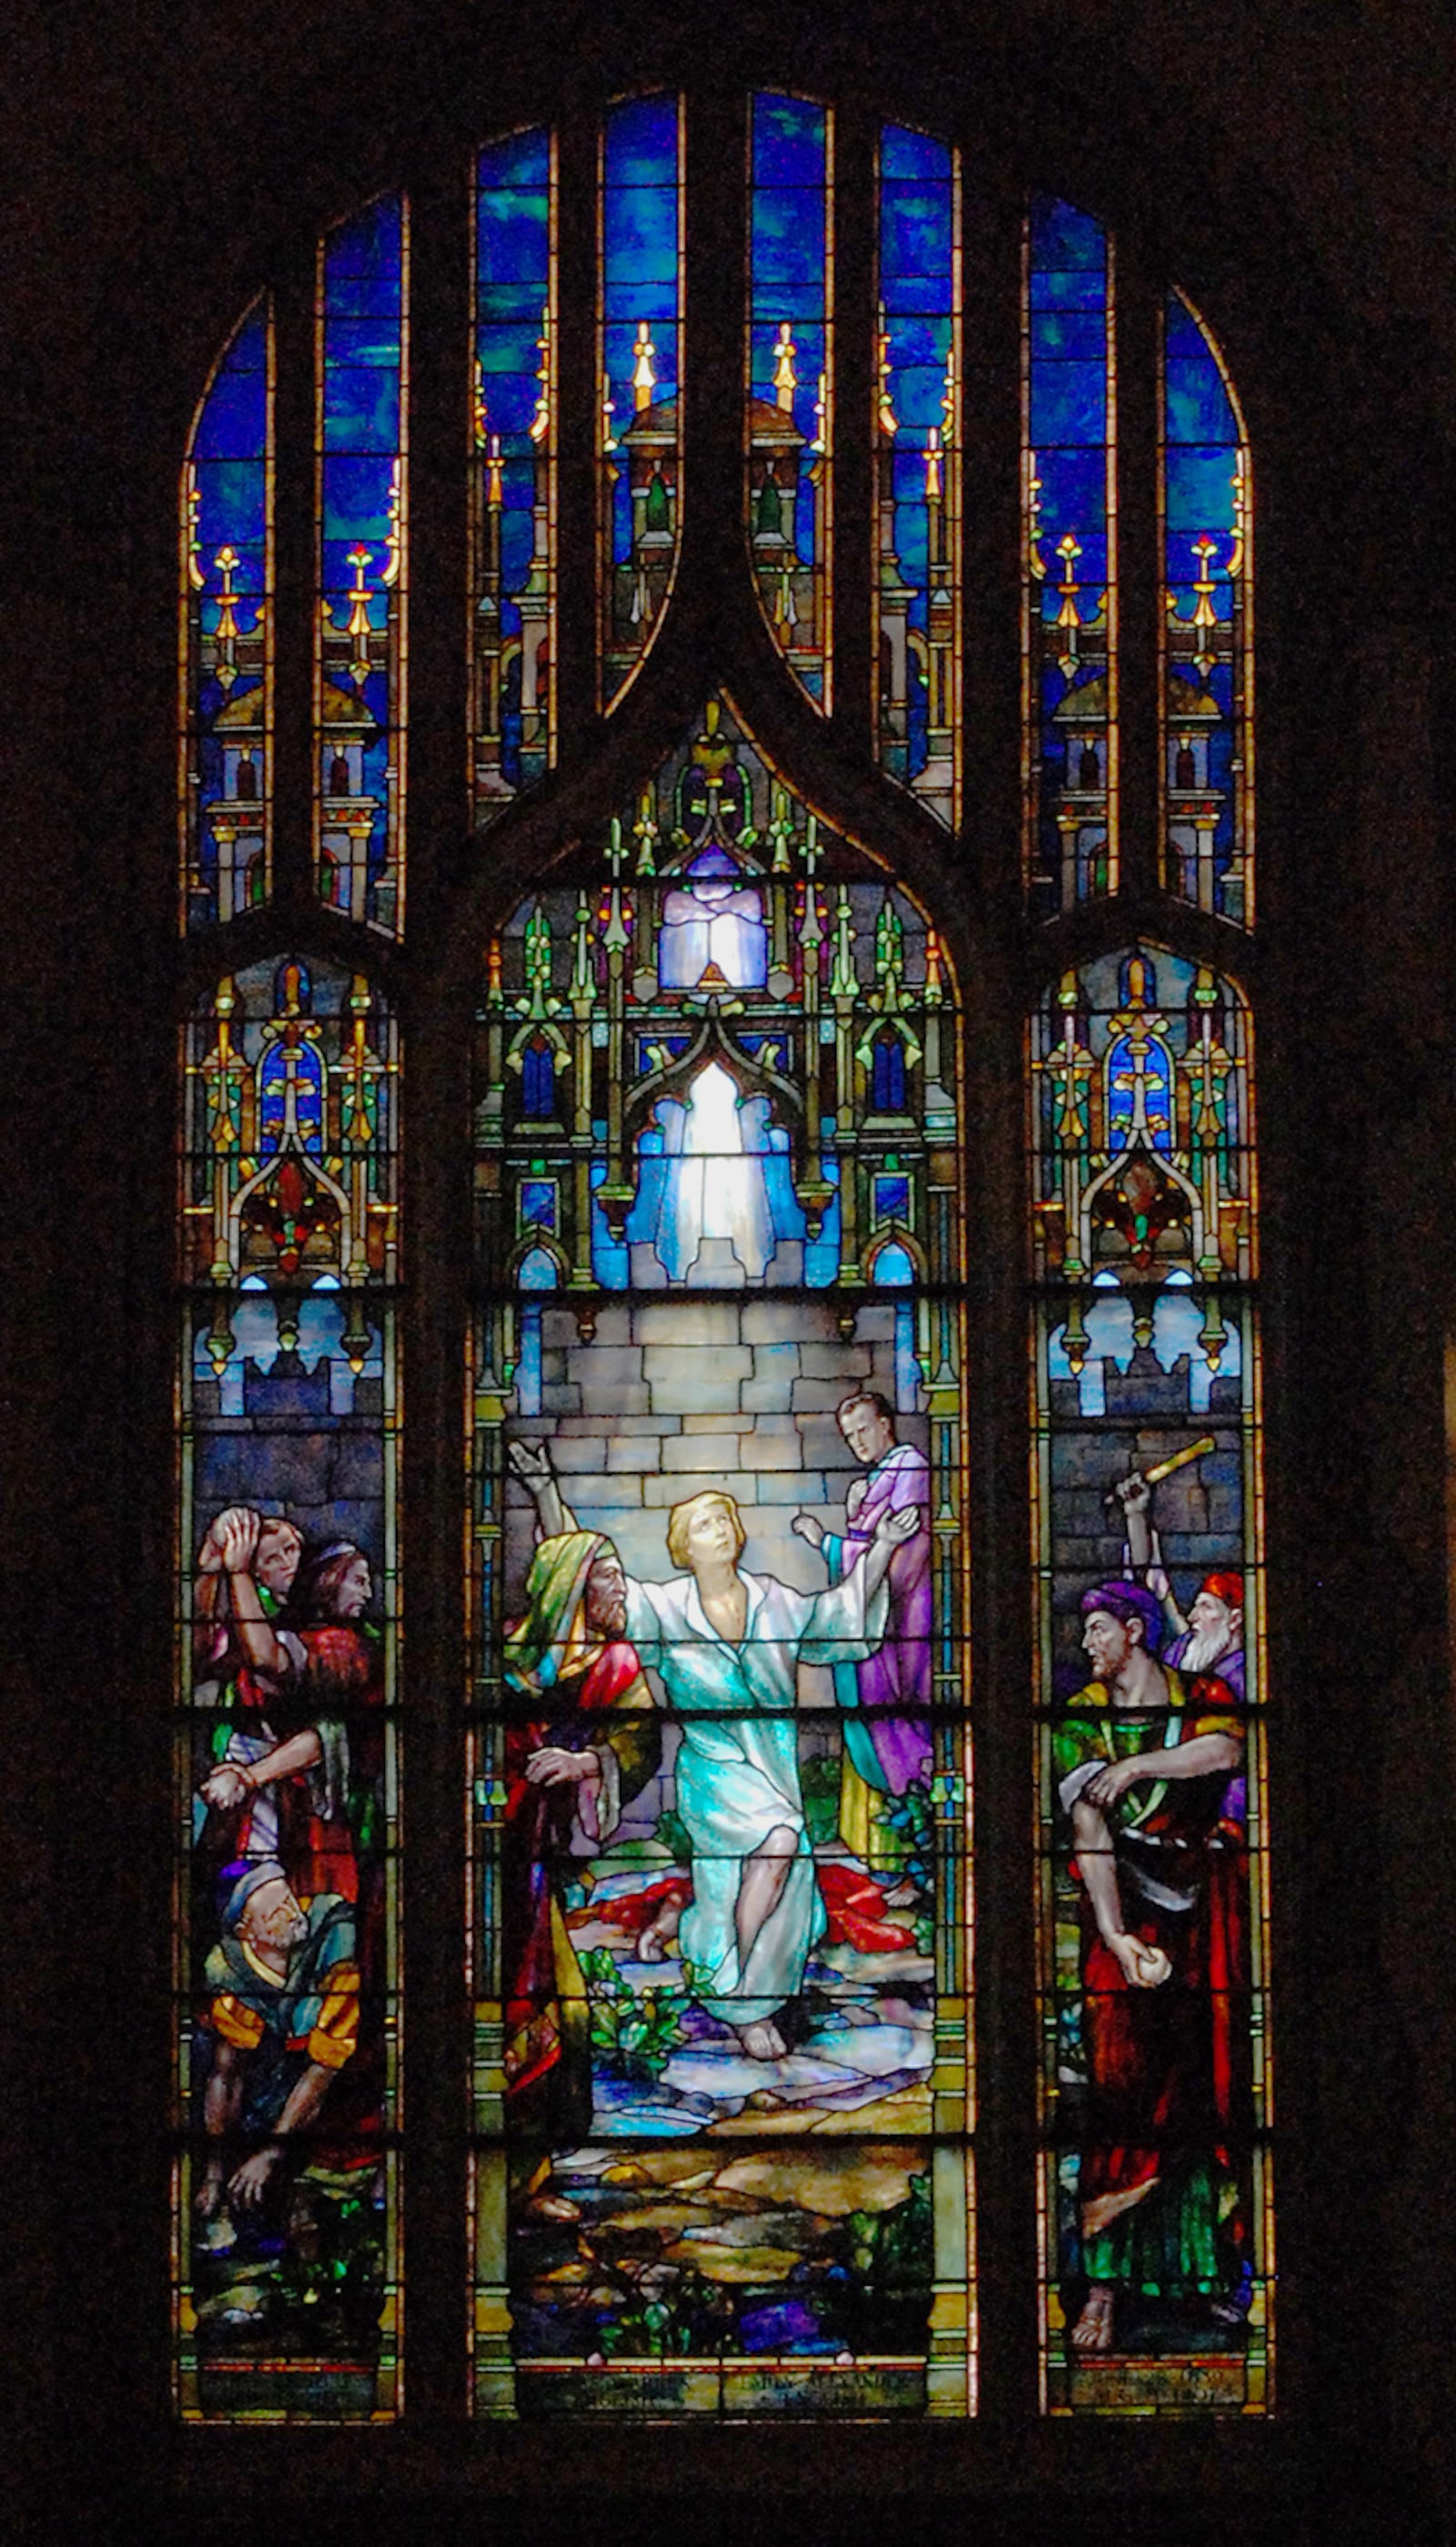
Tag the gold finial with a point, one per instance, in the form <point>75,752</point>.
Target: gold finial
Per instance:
<point>541,420</point>
<point>227,629</point>
<point>786,379</point>
<point>393,543</point>
<point>477,406</point>
<point>495,494</point>
<point>227,563</point>
<point>1205,616</point>
<point>609,438</point>
<point>192,507</point>
<point>1239,483</point>
<point>1068,618</point>
<point>643,375</point>
<point>948,399</point>
<point>1034,557</point>
<point>358,627</point>
<point>934,455</point>
<point>889,422</point>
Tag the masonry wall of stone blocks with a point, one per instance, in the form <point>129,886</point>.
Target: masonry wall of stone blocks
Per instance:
<point>670,1397</point>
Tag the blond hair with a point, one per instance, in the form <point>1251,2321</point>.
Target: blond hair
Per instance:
<point>679,1522</point>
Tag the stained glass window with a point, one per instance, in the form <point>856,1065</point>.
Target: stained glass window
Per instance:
<point>919,424</point>
<point>1071,558</point>
<point>791,379</point>
<point>718,1731</point>
<point>1208,637</point>
<point>362,555</point>
<point>513,470</point>
<point>226,794</point>
<point>640,421</point>
<point>286,1960</point>
<point>1151,1688</point>
<point>722,1807</point>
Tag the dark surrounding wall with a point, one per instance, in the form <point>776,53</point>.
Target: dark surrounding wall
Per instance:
<point>1299,164</point>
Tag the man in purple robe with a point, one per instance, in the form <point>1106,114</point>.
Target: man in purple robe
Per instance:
<point>886,1700</point>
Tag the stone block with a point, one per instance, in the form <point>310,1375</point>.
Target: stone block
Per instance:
<point>777,1361</point>
<point>824,1445</point>
<point>613,1323</point>
<point>689,1451</point>
<point>818,1396</point>
<point>578,1454</point>
<point>559,1328</point>
<point>608,1494</point>
<point>774,1443</point>
<point>766,1396</point>
<point>785,1265</point>
<point>782,1322</point>
<point>718,1267</point>
<point>874,1324</point>
<point>602,1367</point>
<point>686,1322</point>
<point>636,1458</point>
<point>698,1380</point>
<point>846,1362</point>
<point>560,1399</point>
<point>791,1487</point>
<point>716,1423</point>
<point>635,1428</point>
<point>675,1489</point>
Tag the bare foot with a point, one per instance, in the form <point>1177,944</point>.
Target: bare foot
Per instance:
<point>1092,2332</point>
<point>903,1896</point>
<point>660,1932</point>
<point>761,2041</point>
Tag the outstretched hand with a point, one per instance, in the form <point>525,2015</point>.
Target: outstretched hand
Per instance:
<point>1134,1493</point>
<point>532,1463</point>
<point>805,1527</point>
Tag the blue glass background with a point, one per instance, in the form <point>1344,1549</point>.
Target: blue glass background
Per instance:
<point>1201,444</point>
<point>916,294</point>
<point>1068,349</point>
<point>361,413</point>
<point>229,457</point>
<point>512,291</point>
<point>789,248</point>
<point>639,263</point>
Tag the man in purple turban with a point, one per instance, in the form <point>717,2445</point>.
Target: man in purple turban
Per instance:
<point>886,1699</point>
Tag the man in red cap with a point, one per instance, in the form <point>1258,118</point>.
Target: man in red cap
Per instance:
<point>1211,1638</point>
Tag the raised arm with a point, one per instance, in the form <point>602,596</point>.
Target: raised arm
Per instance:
<point>239,1531</point>
<point>530,1462</point>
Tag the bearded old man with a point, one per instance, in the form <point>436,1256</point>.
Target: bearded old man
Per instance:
<point>1142,1758</point>
<point>1211,1638</point>
<point>586,1744</point>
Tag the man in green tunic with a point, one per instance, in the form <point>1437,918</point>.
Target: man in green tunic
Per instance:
<point>1141,1760</point>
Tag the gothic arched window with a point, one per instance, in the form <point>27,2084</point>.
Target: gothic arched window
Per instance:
<point>605,551</point>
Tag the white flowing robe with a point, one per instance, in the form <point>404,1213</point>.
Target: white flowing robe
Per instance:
<point>738,1766</point>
